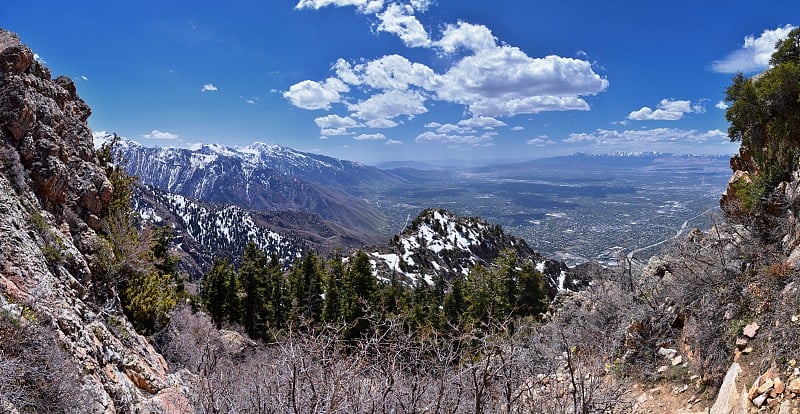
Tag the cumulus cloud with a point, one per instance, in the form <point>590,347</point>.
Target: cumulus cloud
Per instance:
<point>667,110</point>
<point>335,125</point>
<point>504,81</point>
<point>336,121</point>
<point>454,129</point>
<point>310,94</point>
<point>388,72</point>
<point>393,142</point>
<point>390,104</point>
<point>721,105</point>
<point>658,139</point>
<point>482,122</point>
<point>381,123</point>
<point>754,54</point>
<point>471,37</point>
<point>209,87</point>
<point>400,20</point>
<point>156,134</point>
<point>517,128</point>
<point>540,141</point>
<point>364,6</point>
<point>327,132</point>
<point>370,137</point>
<point>490,78</point>
<point>430,136</point>
<point>39,59</point>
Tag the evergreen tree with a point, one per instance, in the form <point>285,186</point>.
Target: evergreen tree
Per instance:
<point>277,306</point>
<point>454,302</point>
<point>531,295</point>
<point>334,281</point>
<point>358,294</point>
<point>305,286</point>
<point>215,291</point>
<point>252,279</point>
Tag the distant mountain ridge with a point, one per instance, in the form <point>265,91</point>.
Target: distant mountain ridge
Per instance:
<point>263,177</point>
<point>203,232</point>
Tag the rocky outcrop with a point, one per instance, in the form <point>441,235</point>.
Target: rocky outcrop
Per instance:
<point>52,195</point>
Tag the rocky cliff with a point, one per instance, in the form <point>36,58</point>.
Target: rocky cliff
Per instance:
<point>52,196</point>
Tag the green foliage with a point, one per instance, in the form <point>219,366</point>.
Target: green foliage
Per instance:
<point>109,157</point>
<point>147,300</point>
<point>347,296</point>
<point>305,289</point>
<point>751,193</point>
<point>219,292</point>
<point>133,263</point>
<point>764,114</point>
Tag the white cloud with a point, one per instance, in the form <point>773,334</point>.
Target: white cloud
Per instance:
<point>490,78</point>
<point>540,141</point>
<point>721,105</point>
<point>394,72</point>
<point>754,54</point>
<point>370,137</point>
<point>454,129</point>
<point>504,81</point>
<point>482,122</point>
<point>381,123</point>
<point>156,134</point>
<point>345,72</point>
<point>517,128</point>
<point>334,131</point>
<point>468,36</point>
<point>431,136</point>
<point>84,77</point>
<point>433,125</point>
<point>250,101</point>
<point>336,121</point>
<point>389,104</point>
<point>209,87</point>
<point>310,94</point>
<point>658,139</point>
<point>39,59</point>
<point>400,20</point>
<point>364,6</point>
<point>667,110</point>
<point>393,142</point>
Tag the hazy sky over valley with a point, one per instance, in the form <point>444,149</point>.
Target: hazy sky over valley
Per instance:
<point>380,80</point>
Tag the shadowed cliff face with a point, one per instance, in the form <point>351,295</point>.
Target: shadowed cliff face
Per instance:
<point>53,194</point>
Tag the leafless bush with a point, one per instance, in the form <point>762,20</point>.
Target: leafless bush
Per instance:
<point>37,375</point>
<point>391,370</point>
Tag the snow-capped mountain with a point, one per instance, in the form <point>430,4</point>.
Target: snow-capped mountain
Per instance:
<point>204,231</point>
<point>440,243</point>
<point>262,177</point>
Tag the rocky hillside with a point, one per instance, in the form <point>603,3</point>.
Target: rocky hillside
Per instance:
<point>440,243</point>
<point>262,177</point>
<point>61,351</point>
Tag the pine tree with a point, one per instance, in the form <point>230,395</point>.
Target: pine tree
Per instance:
<point>454,302</point>
<point>214,291</point>
<point>334,281</point>
<point>277,306</point>
<point>305,287</point>
<point>252,277</point>
<point>531,295</point>
<point>358,294</point>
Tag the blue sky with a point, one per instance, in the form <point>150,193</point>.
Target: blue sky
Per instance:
<point>380,80</point>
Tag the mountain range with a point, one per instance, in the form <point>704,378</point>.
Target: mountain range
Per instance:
<point>263,177</point>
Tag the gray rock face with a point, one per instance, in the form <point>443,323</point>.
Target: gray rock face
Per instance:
<point>51,194</point>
